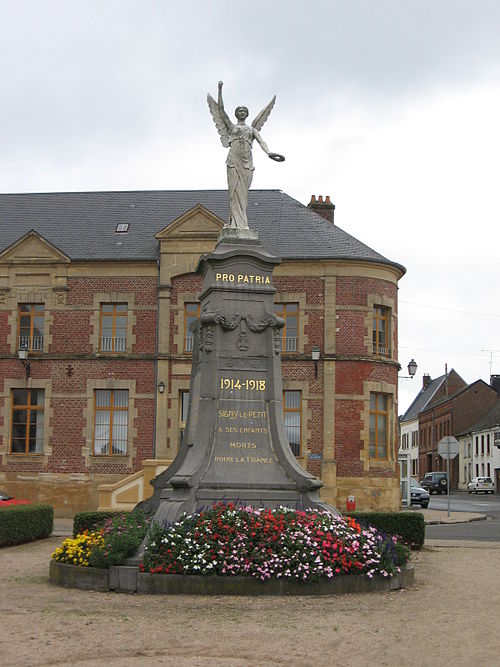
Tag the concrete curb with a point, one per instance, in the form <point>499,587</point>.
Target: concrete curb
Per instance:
<point>439,522</point>
<point>125,579</point>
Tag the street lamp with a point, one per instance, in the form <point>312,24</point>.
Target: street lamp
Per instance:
<point>23,358</point>
<point>315,357</point>
<point>412,369</point>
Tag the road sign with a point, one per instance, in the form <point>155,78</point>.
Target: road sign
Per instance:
<point>448,447</point>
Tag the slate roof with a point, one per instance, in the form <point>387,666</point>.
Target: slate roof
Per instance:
<point>423,399</point>
<point>82,224</point>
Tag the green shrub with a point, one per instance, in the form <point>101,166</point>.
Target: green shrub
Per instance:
<point>105,539</point>
<point>122,536</point>
<point>409,526</point>
<point>25,523</point>
<point>91,520</point>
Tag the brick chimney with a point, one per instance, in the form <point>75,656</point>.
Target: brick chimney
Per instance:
<point>323,208</point>
<point>426,380</point>
<point>495,383</point>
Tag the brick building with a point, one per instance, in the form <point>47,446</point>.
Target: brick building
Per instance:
<point>451,415</point>
<point>433,389</point>
<point>97,291</point>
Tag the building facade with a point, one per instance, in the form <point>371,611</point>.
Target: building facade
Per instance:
<point>97,292</point>
<point>452,415</point>
<point>479,446</point>
<point>432,390</point>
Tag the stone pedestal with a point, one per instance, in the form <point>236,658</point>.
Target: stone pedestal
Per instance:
<point>234,446</point>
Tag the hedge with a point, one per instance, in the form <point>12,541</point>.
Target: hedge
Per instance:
<point>410,526</point>
<point>25,523</point>
<point>91,520</point>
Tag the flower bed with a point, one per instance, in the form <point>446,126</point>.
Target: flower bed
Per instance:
<point>304,546</point>
<point>235,551</point>
<point>112,544</point>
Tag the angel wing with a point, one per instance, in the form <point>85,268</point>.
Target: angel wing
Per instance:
<point>261,118</point>
<point>220,122</point>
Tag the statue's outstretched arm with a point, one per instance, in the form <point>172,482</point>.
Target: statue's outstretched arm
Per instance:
<point>220,117</point>
<point>222,111</point>
<point>261,141</point>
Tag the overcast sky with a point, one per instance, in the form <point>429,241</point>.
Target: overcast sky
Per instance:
<point>392,107</point>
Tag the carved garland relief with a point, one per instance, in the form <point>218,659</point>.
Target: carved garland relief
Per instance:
<point>208,321</point>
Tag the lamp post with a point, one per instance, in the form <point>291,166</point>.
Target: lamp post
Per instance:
<point>23,358</point>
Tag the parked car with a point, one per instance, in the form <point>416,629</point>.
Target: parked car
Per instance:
<point>6,500</point>
<point>434,482</point>
<point>418,495</point>
<point>481,484</point>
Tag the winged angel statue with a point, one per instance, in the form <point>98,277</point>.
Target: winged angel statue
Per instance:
<point>239,139</point>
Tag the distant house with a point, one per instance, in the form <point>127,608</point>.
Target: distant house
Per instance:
<point>432,390</point>
<point>479,446</point>
<point>451,415</point>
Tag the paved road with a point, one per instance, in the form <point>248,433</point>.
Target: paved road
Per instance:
<point>481,531</point>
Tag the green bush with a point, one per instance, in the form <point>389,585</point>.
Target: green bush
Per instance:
<point>92,520</point>
<point>410,526</point>
<point>25,523</point>
<point>122,536</point>
<point>102,539</point>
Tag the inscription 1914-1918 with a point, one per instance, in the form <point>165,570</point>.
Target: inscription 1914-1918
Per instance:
<point>245,385</point>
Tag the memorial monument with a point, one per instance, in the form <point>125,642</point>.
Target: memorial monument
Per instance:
<point>234,446</point>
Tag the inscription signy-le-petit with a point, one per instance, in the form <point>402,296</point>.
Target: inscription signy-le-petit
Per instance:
<point>242,414</point>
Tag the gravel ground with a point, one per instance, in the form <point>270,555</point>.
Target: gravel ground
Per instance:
<point>447,617</point>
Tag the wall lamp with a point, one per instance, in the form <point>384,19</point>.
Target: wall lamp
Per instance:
<point>412,369</point>
<point>161,386</point>
<point>23,358</point>
<point>315,357</point>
